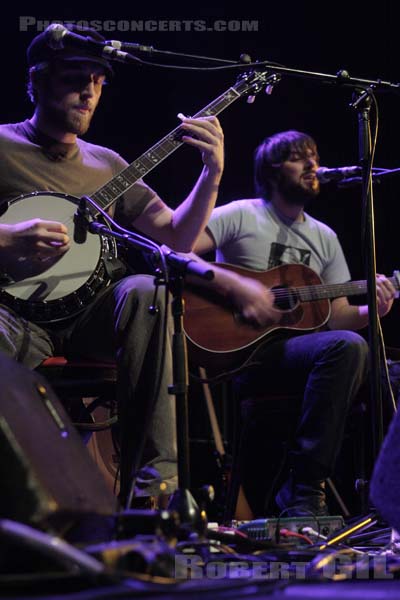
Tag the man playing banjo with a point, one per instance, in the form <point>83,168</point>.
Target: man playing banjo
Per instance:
<point>45,154</point>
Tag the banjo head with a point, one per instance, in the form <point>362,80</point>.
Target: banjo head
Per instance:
<point>68,285</point>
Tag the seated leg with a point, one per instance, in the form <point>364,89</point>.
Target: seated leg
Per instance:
<point>330,367</point>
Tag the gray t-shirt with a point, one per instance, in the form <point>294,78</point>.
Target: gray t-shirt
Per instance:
<point>30,161</point>
<point>251,234</point>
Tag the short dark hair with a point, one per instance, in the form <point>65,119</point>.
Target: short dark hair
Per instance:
<point>273,151</point>
<point>36,77</point>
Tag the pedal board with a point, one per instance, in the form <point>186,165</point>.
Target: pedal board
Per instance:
<point>265,529</point>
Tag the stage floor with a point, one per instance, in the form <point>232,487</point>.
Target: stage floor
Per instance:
<point>261,559</point>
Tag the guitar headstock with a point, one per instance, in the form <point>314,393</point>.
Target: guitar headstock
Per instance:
<point>251,83</point>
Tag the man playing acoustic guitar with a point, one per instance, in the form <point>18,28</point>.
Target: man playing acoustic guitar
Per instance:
<point>273,231</point>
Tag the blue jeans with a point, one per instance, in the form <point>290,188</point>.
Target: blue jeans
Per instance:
<point>330,367</point>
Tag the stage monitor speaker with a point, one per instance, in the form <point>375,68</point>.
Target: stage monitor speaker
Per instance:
<point>385,483</point>
<point>47,474</point>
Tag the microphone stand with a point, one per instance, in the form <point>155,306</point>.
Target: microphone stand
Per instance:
<point>129,47</point>
<point>362,103</point>
<point>182,500</point>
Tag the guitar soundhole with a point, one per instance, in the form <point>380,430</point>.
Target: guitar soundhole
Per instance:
<point>285,298</point>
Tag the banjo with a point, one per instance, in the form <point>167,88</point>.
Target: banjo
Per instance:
<point>65,287</point>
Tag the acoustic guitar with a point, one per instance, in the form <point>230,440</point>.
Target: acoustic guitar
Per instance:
<point>218,336</point>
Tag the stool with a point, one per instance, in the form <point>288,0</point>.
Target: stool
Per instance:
<point>262,475</point>
<point>87,390</point>
<point>252,474</point>
<point>84,378</point>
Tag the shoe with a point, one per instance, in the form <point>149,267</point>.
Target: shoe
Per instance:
<point>151,502</point>
<point>300,499</point>
<point>144,502</point>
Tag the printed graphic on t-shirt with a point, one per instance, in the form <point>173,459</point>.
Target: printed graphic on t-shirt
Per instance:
<point>283,255</point>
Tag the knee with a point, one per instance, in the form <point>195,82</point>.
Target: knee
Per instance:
<point>133,284</point>
<point>353,350</point>
<point>139,287</point>
<point>354,344</point>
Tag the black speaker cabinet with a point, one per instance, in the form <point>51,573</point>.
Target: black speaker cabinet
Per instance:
<point>46,472</point>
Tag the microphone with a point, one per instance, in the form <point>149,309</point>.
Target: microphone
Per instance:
<point>130,46</point>
<point>81,222</point>
<point>59,37</point>
<point>325,175</point>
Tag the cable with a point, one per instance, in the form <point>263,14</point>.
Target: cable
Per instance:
<point>342,535</point>
<point>288,533</point>
<point>50,545</point>
<point>234,531</point>
<point>233,67</point>
<point>310,531</point>
<point>385,367</point>
<point>369,168</point>
<point>285,510</point>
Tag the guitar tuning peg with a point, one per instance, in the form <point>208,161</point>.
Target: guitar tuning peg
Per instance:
<point>273,80</point>
<point>250,99</point>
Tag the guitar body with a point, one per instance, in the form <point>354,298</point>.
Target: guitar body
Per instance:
<point>219,338</point>
<point>69,284</point>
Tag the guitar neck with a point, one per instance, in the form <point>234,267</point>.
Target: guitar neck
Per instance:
<point>336,290</point>
<point>121,183</point>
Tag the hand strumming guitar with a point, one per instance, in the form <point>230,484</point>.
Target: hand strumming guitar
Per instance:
<point>254,301</point>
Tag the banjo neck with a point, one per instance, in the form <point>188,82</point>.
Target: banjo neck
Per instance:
<point>248,84</point>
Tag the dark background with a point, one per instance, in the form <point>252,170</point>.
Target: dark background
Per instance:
<point>141,104</point>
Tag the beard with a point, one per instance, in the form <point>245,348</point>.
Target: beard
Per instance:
<point>67,119</point>
<point>297,194</point>
<point>77,123</point>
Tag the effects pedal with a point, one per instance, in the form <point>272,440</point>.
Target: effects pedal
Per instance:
<point>314,527</point>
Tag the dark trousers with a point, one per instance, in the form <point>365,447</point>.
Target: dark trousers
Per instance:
<point>330,367</point>
<point>118,327</point>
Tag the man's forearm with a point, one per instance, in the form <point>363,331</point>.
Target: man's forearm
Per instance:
<point>349,317</point>
<point>191,217</point>
<point>224,283</point>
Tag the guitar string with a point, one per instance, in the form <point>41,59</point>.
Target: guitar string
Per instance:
<point>314,290</point>
<point>158,152</point>
<point>322,291</point>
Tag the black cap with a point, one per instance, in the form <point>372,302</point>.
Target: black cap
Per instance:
<point>40,49</point>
